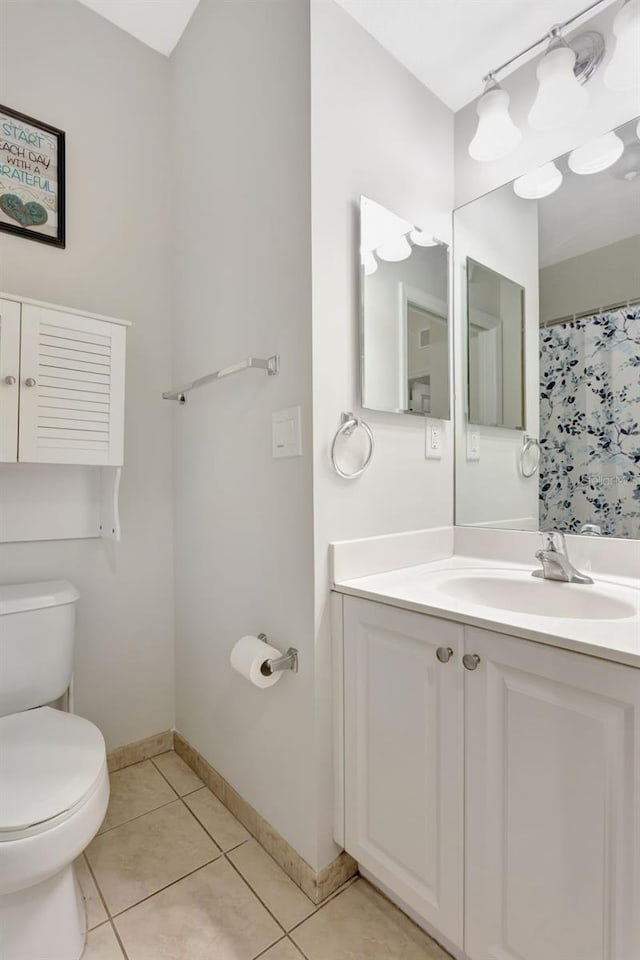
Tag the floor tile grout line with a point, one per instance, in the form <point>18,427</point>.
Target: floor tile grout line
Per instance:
<point>256,895</point>
<point>116,916</point>
<point>167,779</point>
<point>138,816</point>
<point>324,903</point>
<point>208,832</point>
<point>264,952</point>
<point>315,908</point>
<point>297,947</point>
<point>97,886</point>
<point>119,939</point>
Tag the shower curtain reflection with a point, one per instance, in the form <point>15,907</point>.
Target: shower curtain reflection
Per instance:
<point>590,424</point>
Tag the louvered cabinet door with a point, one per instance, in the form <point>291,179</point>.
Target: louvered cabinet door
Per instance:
<point>71,388</point>
<point>9,379</point>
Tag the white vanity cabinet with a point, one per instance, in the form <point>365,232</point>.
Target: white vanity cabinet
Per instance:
<point>552,859</point>
<point>499,799</point>
<point>61,385</point>
<point>403,744</point>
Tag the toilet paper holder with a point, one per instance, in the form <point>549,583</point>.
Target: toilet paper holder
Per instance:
<point>287,662</point>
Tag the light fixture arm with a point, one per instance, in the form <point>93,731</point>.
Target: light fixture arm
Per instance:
<point>555,34</point>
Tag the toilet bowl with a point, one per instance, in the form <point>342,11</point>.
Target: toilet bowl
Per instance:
<point>54,783</point>
<point>55,790</point>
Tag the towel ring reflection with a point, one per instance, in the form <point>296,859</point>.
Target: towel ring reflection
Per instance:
<point>529,443</point>
<point>349,423</point>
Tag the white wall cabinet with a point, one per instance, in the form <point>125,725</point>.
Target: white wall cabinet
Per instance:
<point>62,385</point>
<point>529,806</point>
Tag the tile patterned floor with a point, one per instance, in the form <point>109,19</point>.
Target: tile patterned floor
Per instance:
<point>172,875</point>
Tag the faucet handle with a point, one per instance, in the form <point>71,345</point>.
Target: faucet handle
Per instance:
<point>555,541</point>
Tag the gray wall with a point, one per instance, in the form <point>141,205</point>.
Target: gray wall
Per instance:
<point>63,64</point>
<point>595,279</point>
<point>242,257</point>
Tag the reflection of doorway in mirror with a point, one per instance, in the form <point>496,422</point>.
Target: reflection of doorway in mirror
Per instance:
<point>424,356</point>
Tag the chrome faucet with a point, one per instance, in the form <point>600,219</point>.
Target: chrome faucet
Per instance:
<point>555,560</point>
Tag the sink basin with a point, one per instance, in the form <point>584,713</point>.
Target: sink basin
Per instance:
<point>522,593</point>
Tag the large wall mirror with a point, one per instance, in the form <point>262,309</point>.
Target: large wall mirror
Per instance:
<point>404,316</point>
<point>564,452</point>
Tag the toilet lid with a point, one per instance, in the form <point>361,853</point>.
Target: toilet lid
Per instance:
<point>49,761</point>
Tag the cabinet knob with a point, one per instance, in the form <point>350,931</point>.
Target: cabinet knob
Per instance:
<point>471,661</point>
<point>9,381</point>
<point>444,654</point>
<point>30,382</point>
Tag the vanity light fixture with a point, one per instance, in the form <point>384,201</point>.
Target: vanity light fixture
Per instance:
<point>623,72</point>
<point>538,183</point>
<point>560,96</point>
<point>496,134</point>
<point>562,73</point>
<point>596,155</point>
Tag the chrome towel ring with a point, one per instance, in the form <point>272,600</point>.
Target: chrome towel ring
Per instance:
<point>349,423</point>
<point>529,443</point>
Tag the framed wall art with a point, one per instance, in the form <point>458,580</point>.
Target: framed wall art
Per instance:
<point>32,181</point>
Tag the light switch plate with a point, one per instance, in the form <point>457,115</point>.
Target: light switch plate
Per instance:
<point>286,433</point>
<point>434,439</point>
<point>473,444</point>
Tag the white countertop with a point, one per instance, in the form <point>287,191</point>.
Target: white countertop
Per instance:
<point>418,588</point>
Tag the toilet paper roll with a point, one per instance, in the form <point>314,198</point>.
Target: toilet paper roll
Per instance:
<point>248,656</point>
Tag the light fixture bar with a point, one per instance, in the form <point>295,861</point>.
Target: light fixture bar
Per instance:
<point>557,27</point>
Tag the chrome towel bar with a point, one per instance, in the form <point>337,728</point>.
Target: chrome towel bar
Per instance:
<point>271,365</point>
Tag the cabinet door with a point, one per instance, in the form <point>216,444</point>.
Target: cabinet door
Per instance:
<point>552,805</point>
<point>72,388</point>
<point>9,379</point>
<point>404,757</point>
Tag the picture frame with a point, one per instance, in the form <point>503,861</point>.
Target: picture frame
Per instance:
<point>32,178</point>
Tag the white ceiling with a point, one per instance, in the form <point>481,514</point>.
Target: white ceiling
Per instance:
<point>451,44</point>
<point>158,23</point>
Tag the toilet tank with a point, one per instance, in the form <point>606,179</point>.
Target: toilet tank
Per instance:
<point>37,626</point>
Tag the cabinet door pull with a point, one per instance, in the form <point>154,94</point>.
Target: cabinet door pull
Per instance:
<point>444,654</point>
<point>9,380</point>
<point>30,382</point>
<point>471,661</point>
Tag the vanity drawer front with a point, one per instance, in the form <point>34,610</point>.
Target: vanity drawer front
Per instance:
<point>552,803</point>
<point>404,756</point>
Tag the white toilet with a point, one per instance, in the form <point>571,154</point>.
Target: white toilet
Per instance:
<point>54,785</point>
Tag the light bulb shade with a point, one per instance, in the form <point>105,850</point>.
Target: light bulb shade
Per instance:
<point>623,72</point>
<point>560,98</point>
<point>369,263</point>
<point>496,134</point>
<point>394,250</point>
<point>638,130</point>
<point>538,183</point>
<point>596,155</point>
<point>422,239</point>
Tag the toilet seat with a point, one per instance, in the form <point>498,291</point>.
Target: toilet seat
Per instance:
<point>51,764</point>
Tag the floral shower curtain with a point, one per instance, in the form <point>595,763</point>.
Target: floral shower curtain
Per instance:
<point>590,424</point>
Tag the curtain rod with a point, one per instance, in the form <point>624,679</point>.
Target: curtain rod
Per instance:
<point>624,304</point>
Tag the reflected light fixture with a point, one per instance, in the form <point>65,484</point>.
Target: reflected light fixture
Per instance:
<point>596,155</point>
<point>369,263</point>
<point>422,239</point>
<point>560,98</point>
<point>538,183</point>
<point>623,72</point>
<point>395,249</point>
<point>496,134</point>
